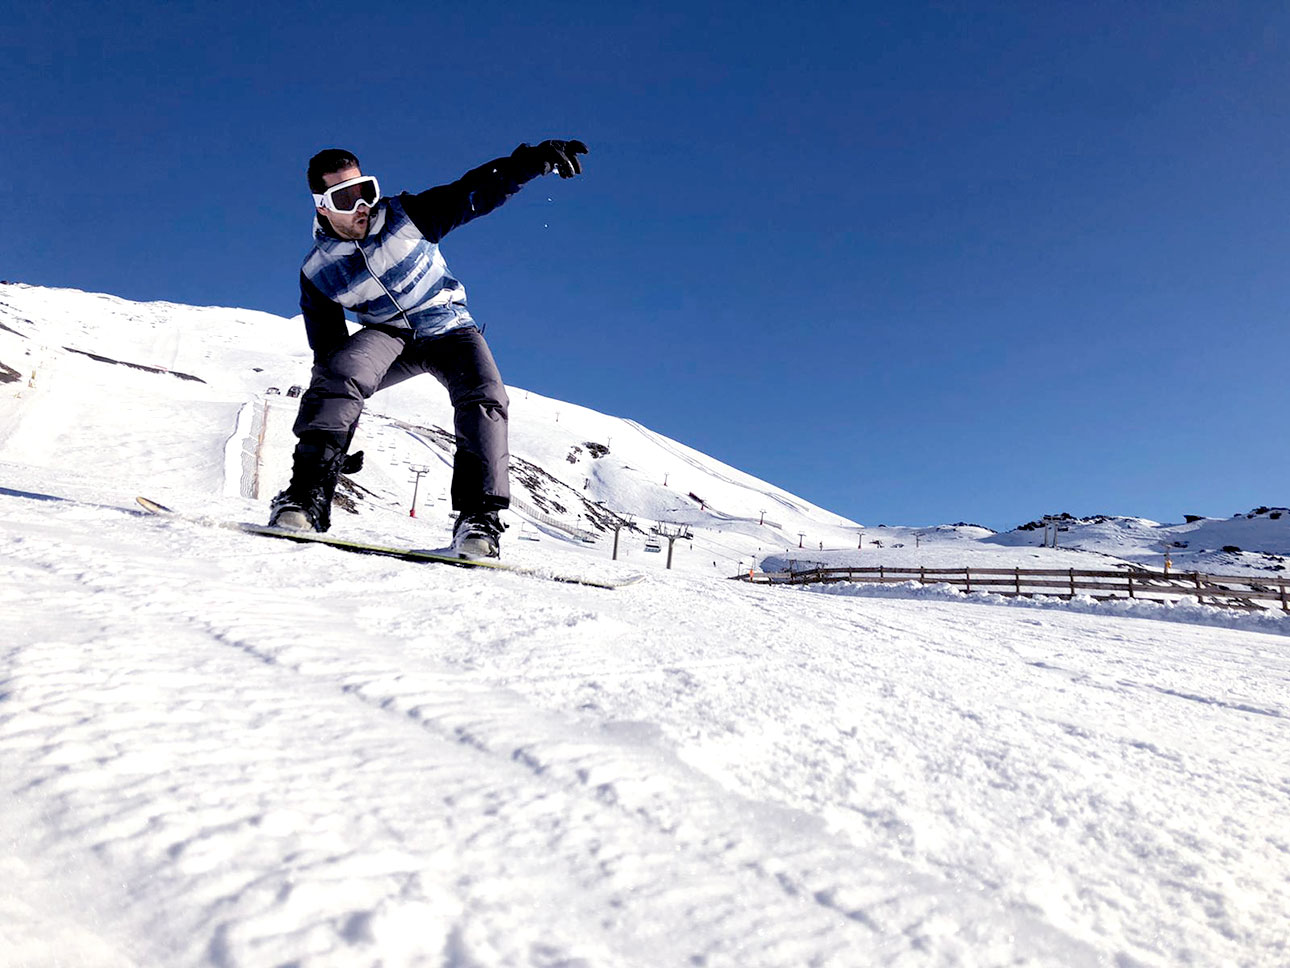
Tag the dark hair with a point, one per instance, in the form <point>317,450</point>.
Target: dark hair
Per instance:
<point>324,163</point>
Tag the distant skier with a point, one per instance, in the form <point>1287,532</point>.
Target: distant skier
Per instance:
<point>379,258</point>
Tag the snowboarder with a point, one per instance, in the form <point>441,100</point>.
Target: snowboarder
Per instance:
<point>379,258</point>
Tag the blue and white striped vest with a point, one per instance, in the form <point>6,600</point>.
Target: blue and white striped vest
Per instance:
<point>394,277</point>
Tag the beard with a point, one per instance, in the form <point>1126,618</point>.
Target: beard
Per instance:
<point>350,227</point>
<point>357,228</point>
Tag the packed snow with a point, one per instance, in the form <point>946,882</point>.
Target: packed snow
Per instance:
<point>223,750</point>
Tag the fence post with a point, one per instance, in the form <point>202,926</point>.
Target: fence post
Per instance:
<point>1072,584</point>
<point>922,575</point>
<point>1284,606</point>
<point>1196,577</point>
<point>1018,576</point>
<point>1130,584</point>
<point>882,572</point>
<point>967,580</point>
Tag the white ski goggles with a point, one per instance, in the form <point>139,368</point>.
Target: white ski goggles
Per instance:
<point>344,198</point>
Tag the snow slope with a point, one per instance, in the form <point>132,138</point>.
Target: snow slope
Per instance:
<point>226,751</point>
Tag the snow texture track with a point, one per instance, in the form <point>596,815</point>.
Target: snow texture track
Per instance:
<point>247,760</point>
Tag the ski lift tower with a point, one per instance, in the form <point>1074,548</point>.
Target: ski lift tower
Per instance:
<point>670,535</point>
<point>1051,520</point>
<point>619,522</point>
<point>419,470</point>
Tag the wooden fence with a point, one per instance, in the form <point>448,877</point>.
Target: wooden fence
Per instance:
<point>1228,591</point>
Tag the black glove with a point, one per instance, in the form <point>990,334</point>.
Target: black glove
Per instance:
<point>558,156</point>
<point>353,463</point>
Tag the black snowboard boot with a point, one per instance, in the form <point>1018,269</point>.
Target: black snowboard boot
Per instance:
<point>305,505</point>
<point>477,534</point>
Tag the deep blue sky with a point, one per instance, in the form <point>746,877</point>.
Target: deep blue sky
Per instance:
<point>917,262</point>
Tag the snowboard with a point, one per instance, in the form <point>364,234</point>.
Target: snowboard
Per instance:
<point>404,554</point>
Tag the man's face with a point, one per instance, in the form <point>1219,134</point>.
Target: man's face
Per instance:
<point>346,226</point>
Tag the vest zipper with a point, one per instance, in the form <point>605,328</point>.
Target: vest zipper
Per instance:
<point>401,310</point>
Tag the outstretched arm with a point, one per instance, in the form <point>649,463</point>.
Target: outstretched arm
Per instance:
<point>438,211</point>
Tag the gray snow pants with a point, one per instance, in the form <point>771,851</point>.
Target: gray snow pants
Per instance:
<point>373,359</point>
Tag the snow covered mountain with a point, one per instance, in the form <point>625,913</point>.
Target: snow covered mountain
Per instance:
<point>192,405</point>
<point>218,750</point>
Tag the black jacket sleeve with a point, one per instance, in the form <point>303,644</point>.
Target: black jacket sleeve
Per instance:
<point>437,211</point>
<point>324,321</point>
